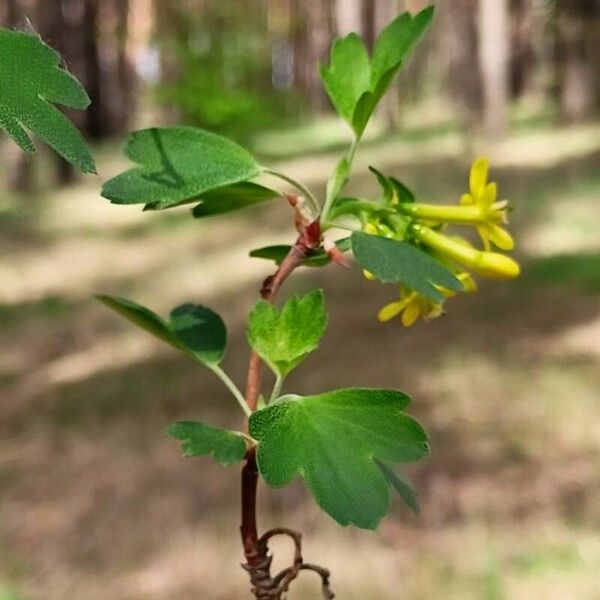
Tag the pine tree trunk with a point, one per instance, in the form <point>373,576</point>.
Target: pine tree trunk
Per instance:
<point>494,58</point>
<point>348,17</point>
<point>319,33</point>
<point>577,29</point>
<point>94,117</point>
<point>458,59</point>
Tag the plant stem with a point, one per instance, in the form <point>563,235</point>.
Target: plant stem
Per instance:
<point>329,201</point>
<point>301,188</point>
<point>352,150</point>
<point>232,388</point>
<point>277,388</point>
<point>308,239</point>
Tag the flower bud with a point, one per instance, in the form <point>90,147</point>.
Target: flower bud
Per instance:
<point>488,264</point>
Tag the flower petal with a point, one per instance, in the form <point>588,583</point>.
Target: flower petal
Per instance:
<point>500,237</point>
<point>488,196</point>
<point>478,175</point>
<point>411,313</point>
<point>469,284</point>
<point>435,311</point>
<point>368,275</point>
<point>467,200</point>
<point>389,311</point>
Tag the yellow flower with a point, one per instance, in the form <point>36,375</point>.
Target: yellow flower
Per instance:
<point>488,264</point>
<point>412,305</point>
<point>478,208</point>
<point>484,196</point>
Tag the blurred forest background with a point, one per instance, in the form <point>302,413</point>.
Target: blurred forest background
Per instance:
<point>96,502</point>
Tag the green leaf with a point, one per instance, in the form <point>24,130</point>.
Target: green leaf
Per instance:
<point>193,329</point>
<point>178,165</point>
<point>348,74</point>
<point>201,331</point>
<point>332,441</point>
<point>356,84</point>
<point>392,187</point>
<point>392,261</point>
<point>396,42</point>
<point>227,447</point>
<point>317,258</point>
<point>401,485</point>
<point>31,81</point>
<point>233,197</point>
<point>284,338</point>
<point>392,48</point>
<point>385,184</point>
<point>403,193</point>
<point>142,317</point>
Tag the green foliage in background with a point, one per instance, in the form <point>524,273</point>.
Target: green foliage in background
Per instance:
<point>220,71</point>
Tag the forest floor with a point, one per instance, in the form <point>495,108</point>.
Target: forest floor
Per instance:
<point>96,502</point>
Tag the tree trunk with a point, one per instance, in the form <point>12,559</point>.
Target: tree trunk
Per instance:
<point>494,60</point>
<point>369,21</point>
<point>94,118</point>
<point>348,17</point>
<point>319,32</point>
<point>577,30</point>
<point>458,42</point>
<point>10,13</point>
<point>524,33</point>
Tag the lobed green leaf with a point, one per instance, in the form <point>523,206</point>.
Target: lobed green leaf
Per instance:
<point>401,485</point>
<point>333,441</point>
<point>284,338</point>
<point>198,439</point>
<point>396,42</point>
<point>355,84</point>
<point>348,74</point>
<point>31,81</point>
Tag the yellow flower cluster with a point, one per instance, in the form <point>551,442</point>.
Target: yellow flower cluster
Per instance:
<point>480,209</point>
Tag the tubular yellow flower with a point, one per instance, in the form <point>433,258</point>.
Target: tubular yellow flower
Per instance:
<point>478,208</point>
<point>484,196</point>
<point>489,264</point>
<point>412,305</point>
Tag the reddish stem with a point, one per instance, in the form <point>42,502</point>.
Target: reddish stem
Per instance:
<point>308,239</point>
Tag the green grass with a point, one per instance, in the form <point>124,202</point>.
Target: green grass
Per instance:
<point>581,271</point>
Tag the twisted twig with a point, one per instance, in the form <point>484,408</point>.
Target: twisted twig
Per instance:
<point>267,587</point>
